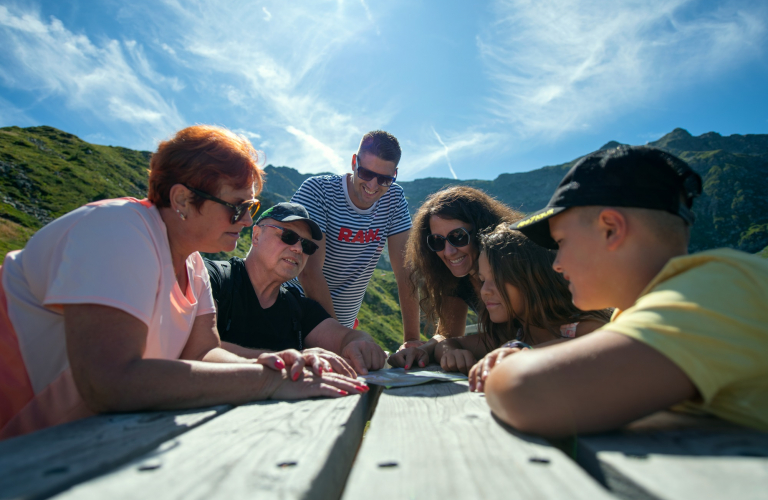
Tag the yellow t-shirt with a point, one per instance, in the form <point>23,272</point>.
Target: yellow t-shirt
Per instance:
<point>708,313</point>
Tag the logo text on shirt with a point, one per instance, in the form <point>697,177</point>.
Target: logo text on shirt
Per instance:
<point>360,236</point>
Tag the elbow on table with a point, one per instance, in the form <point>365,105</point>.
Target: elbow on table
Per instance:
<point>104,394</point>
<point>517,394</point>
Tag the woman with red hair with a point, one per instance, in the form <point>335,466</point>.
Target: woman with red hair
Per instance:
<point>109,307</point>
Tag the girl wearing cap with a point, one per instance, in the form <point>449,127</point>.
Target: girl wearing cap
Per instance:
<point>442,255</point>
<point>109,307</point>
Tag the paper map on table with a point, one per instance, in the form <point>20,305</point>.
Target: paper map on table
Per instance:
<point>398,377</point>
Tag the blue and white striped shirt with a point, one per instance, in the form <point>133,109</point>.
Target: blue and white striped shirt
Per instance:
<point>354,238</point>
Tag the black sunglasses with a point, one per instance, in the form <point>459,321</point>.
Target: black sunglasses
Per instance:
<point>458,238</point>
<point>250,206</point>
<point>367,175</point>
<point>290,237</point>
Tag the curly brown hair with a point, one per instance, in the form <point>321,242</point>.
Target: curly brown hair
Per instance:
<point>429,276</point>
<point>516,260</point>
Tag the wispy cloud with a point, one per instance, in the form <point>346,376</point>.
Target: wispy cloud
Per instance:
<point>107,79</point>
<point>462,147</point>
<point>275,72</point>
<point>561,65</point>
<point>447,156</point>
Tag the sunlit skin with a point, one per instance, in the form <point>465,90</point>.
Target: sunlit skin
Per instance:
<point>490,295</point>
<point>460,261</point>
<point>285,260</point>
<point>579,259</point>
<point>364,194</point>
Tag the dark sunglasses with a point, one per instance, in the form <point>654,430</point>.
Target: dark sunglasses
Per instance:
<point>458,238</point>
<point>367,175</point>
<point>250,206</point>
<point>290,237</point>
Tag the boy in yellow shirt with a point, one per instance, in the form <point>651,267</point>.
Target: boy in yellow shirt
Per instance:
<point>689,330</point>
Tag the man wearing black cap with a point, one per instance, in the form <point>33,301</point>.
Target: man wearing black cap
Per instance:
<point>687,329</point>
<point>257,316</point>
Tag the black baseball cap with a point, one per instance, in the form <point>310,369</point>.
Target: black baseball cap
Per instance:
<point>627,176</point>
<point>289,212</point>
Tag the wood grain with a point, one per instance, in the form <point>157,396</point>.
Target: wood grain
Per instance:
<point>269,449</point>
<point>46,462</point>
<point>674,456</point>
<point>441,441</point>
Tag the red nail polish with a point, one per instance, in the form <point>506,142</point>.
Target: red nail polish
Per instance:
<point>407,367</point>
<point>296,376</point>
<point>343,393</point>
<point>362,388</point>
<point>279,364</point>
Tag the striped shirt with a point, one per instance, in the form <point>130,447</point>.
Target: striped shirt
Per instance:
<point>354,238</point>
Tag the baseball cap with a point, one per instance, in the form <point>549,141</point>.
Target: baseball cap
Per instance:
<point>289,212</point>
<point>627,176</point>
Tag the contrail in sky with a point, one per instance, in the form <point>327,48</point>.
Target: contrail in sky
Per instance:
<point>447,158</point>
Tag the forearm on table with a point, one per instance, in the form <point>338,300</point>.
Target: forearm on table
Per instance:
<point>234,353</point>
<point>429,346</point>
<point>158,384</point>
<point>353,336</point>
<point>443,346</point>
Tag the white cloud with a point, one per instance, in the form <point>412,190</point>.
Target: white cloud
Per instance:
<point>247,133</point>
<point>168,49</point>
<point>267,14</point>
<point>46,58</point>
<point>317,147</point>
<point>463,147</point>
<point>447,157</point>
<point>561,65</point>
<point>276,73</point>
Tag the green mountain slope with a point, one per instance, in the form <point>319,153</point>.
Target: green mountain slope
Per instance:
<point>732,212</point>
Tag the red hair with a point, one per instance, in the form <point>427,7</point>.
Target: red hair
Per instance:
<point>203,157</point>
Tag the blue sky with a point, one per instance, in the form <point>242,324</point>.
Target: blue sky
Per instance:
<point>472,88</point>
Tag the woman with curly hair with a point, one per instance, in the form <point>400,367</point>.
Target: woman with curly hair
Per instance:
<point>526,304</point>
<point>442,256</point>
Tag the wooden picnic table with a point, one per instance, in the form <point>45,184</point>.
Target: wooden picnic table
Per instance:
<point>435,440</point>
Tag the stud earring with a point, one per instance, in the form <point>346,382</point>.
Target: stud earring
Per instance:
<point>183,217</point>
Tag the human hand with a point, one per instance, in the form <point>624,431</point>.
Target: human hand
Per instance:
<point>409,356</point>
<point>482,368</point>
<point>457,360</point>
<point>364,355</point>
<point>411,343</point>
<point>294,362</point>
<point>310,385</point>
<point>337,363</point>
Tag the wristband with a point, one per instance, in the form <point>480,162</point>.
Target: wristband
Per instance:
<point>518,344</point>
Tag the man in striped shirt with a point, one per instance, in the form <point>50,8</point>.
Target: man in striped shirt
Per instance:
<point>358,212</point>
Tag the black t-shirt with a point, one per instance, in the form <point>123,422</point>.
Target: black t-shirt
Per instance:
<point>250,325</point>
<point>466,292</point>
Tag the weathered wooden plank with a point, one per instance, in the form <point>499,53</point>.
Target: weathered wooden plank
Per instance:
<point>441,441</point>
<point>270,449</point>
<point>46,462</point>
<point>675,456</point>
